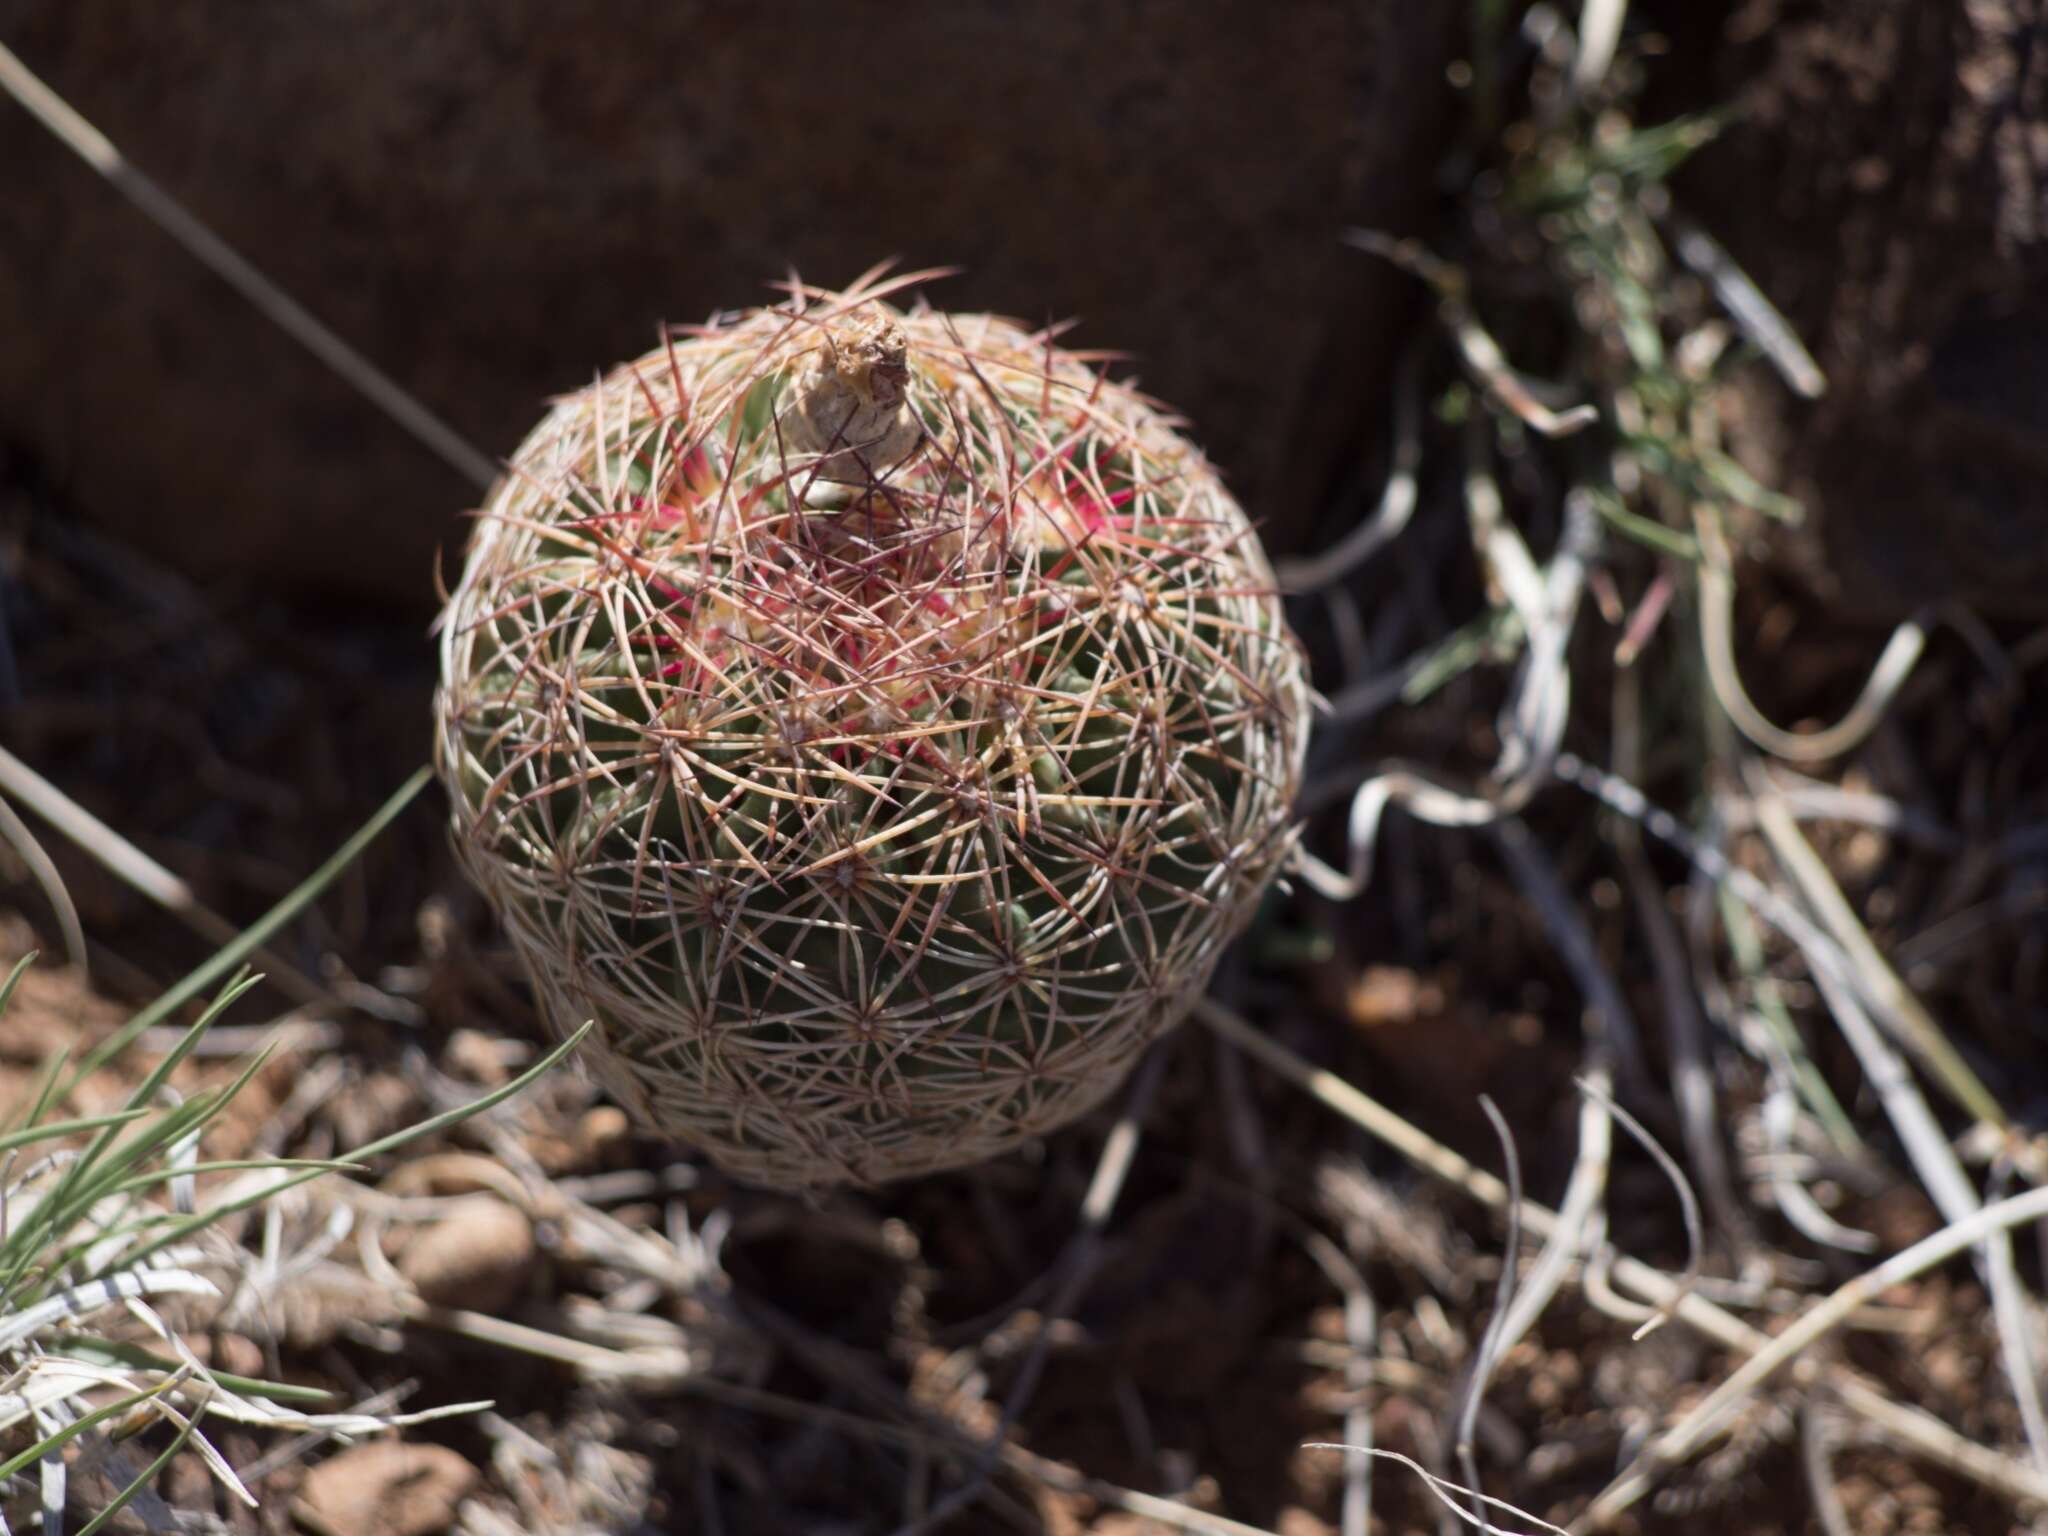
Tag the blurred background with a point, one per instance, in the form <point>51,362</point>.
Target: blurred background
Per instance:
<point>492,201</point>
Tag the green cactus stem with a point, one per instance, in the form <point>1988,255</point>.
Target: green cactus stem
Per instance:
<point>877,721</point>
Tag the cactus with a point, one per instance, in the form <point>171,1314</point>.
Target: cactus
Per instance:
<point>878,722</point>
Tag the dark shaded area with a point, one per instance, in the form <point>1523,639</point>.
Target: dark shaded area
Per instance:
<point>493,201</point>
<point>1887,187</point>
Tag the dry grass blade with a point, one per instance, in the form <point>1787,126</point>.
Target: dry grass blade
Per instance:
<point>1361,1325</point>
<point>1495,1340</point>
<point>1875,980</point>
<point>1717,645</point>
<point>1481,354</point>
<point>1941,1172</point>
<point>1678,1442</point>
<point>45,873</point>
<point>1541,606</point>
<point>1758,317</point>
<point>1397,500</point>
<point>1692,1080</point>
<point>1816,1456</point>
<point>1415,794</point>
<point>1599,32</point>
<point>1695,1235</point>
<point>1578,1220</point>
<point>1908,1426</point>
<point>1446,1492</point>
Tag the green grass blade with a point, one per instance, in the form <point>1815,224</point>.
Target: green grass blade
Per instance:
<point>158,1176</point>
<point>14,979</point>
<point>1646,530</point>
<point>104,1163</point>
<point>238,986</point>
<point>257,933</point>
<point>79,1172</point>
<point>46,1095</point>
<point>1492,636</point>
<point>31,1134</point>
<point>491,1100</point>
<point>1745,943</point>
<point>198,1112</point>
<point>71,1432</point>
<point>203,1219</point>
<point>31,1242</point>
<point>107,1352</point>
<point>147,1475</point>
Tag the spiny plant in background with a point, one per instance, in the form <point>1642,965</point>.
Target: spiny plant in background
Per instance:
<point>877,721</point>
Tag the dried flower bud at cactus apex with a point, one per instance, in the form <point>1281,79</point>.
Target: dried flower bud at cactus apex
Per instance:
<point>878,722</point>
<point>849,404</point>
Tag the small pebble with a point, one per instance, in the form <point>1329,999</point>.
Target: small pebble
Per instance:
<point>385,1488</point>
<point>476,1257</point>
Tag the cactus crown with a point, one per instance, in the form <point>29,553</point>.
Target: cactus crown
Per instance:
<point>877,721</point>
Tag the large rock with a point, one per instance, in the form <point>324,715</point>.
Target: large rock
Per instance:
<point>1887,185</point>
<point>493,201</point>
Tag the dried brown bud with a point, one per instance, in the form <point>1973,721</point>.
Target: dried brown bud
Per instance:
<point>850,403</point>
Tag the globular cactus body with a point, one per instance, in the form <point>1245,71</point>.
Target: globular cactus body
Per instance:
<point>877,722</point>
